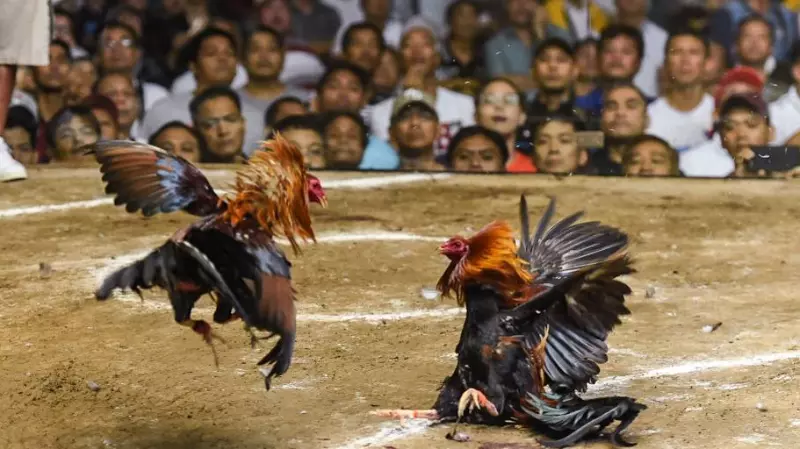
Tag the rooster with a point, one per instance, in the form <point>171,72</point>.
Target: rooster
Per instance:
<point>536,327</point>
<point>230,252</point>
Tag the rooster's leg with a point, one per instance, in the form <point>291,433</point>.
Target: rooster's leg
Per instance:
<point>474,399</point>
<point>204,329</point>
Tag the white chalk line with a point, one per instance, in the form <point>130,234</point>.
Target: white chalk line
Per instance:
<point>392,431</point>
<point>355,183</point>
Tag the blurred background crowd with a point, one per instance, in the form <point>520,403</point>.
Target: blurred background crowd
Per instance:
<point>606,87</point>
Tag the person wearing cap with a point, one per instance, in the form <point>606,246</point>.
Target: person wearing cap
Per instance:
<point>710,159</point>
<point>420,56</point>
<point>684,113</point>
<point>414,129</point>
<point>26,31</point>
<point>554,69</point>
<point>744,123</point>
<point>785,111</point>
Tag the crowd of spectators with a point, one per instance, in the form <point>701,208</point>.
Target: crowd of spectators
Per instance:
<point>606,87</point>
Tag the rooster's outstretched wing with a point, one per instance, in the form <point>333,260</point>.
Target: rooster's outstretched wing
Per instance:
<point>147,178</point>
<point>579,299</point>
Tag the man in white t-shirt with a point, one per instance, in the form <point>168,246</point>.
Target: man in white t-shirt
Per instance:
<point>420,55</point>
<point>634,13</point>
<point>684,116</point>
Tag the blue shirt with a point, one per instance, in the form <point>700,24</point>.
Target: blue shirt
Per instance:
<point>379,155</point>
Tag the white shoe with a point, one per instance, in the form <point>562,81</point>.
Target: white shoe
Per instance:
<point>10,168</point>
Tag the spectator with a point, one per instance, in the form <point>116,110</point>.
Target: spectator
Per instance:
<point>462,54</point>
<point>119,88</point>
<point>579,18</point>
<point>20,135</point>
<point>363,45</point>
<point>51,83</point>
<point>314,23</point>
<point>70,129</point>
<point>634,13</point>
<point>346,137</point>
<point>376,13</point>
<point>217,116</point>
<point>414,128</point>
<point>212,53</point>
<point>744,123</point>
<point>386,76</point>
<point>120,52</point>
<point>710,159</point>
<point>499,108</point>
<point>478,150</point>
<point>345,88</point>
<point>554,70</point>
<point>684,115</point>
<point>264,54</point>
<point>64,30</point>
<point>177,138</point>
<point>650,156</point>
<point>555,146</point>
<point>587,64</point>
<point>620,52</point>
<point>725,21</point>
<point>785,111</point>
<point>280,109</point>
<point>81,80</point>
<point>106,114</point>
<point>304,132</point>
<point>754,46</point>
<point>624,119</point>
<point>509,52</point>
<point>420,60</point>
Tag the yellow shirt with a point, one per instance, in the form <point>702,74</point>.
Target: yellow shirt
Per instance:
<point>794,5</point>
<point>557,11</point>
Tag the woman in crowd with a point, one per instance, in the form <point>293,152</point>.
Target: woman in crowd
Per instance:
<point>499,107</point>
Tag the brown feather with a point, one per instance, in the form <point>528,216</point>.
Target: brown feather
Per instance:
<point>492,260</point>
<point>276,306</point>
<point>272,188</point>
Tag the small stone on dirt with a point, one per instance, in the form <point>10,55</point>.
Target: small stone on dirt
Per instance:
<point>93,385</point>
<point>45,270</point>
<point>461,437</point>
<point>761,407</point>
<point>649,292</point>
<point>708,328</point>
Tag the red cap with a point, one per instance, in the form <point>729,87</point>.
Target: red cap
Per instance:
<point>745,75</point>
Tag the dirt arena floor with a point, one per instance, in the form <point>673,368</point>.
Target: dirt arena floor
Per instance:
<point>76,373</point>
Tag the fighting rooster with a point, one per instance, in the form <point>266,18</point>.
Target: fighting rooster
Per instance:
<point>230,252</point>
<point>536,327</point>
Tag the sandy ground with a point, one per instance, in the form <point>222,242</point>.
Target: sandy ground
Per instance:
<point>714,251</point>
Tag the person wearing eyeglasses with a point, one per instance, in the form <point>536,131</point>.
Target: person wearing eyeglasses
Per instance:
<point>499,108</point>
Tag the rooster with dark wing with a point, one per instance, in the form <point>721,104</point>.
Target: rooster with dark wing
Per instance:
<point>229,253</point>
<point>536,327</point>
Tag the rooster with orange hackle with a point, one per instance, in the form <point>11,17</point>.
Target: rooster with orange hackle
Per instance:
<point>230,253</point>
<point>536,327</point>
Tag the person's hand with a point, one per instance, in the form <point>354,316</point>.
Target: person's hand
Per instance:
<point>740,161</point>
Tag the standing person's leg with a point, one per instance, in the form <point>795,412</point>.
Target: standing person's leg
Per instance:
<point>25,30</point>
